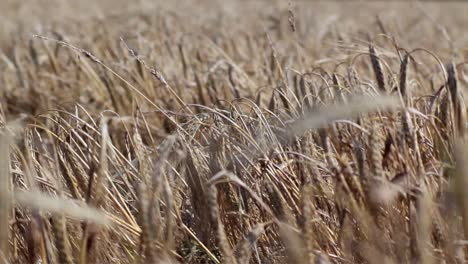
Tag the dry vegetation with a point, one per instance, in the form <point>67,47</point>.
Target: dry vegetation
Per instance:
<point>224,132</point>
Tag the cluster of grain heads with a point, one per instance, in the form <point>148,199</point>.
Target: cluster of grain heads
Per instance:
<point>244,145</point>
<point>338,203</point>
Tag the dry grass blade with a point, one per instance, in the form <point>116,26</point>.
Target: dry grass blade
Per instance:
<point>243,250</point>
<point>74,209</point>
<point>352,109</point>
<point>5,195</point>
<point>293,243</point>
<point>461,182</point>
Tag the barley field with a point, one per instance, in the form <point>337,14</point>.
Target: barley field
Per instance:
<point>233,132</point>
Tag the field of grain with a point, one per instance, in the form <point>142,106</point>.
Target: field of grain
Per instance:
<point>218,131</point>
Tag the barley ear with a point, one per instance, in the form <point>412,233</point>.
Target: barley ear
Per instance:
<point>377,67</point>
